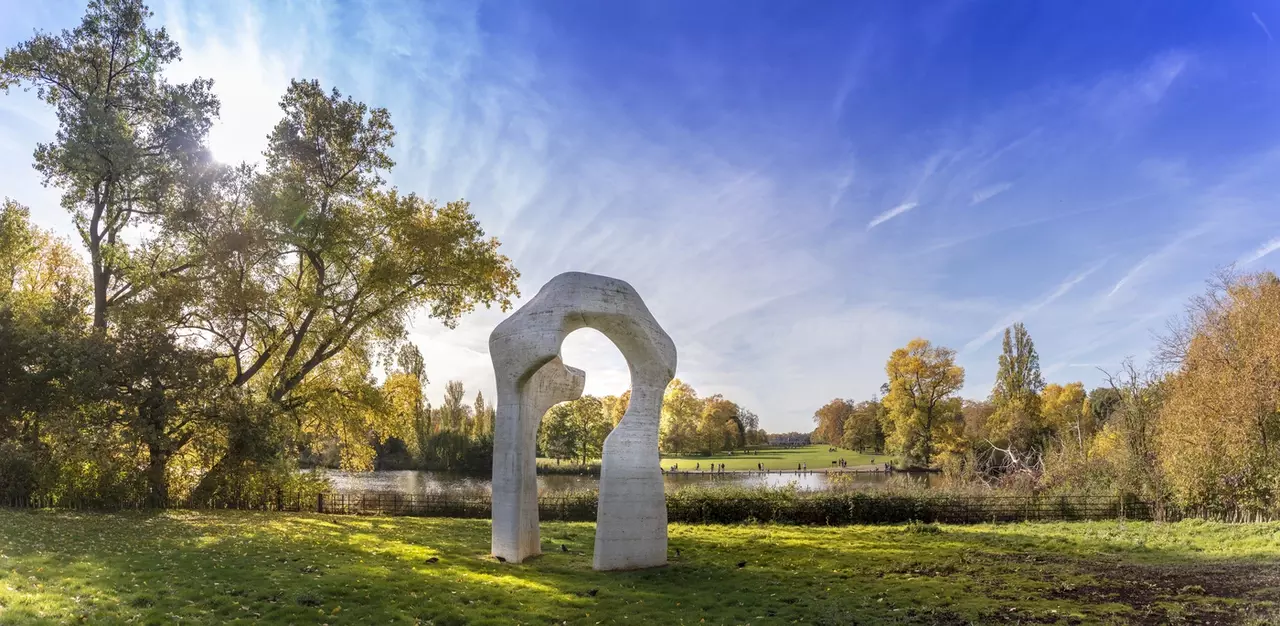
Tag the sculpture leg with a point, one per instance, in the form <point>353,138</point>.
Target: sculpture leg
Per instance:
<point>514,532</point>
<point>631,521</point>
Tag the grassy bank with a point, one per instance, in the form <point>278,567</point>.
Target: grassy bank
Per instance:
<point>817,456</point>
<point>61,567</point>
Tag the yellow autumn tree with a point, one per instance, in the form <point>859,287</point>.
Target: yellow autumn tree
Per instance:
<point>616,406</point>
<point>1219,427</point>
<point>923,381</point>
<point>1066,414</point>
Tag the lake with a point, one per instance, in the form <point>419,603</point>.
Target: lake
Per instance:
<point>421,482</point>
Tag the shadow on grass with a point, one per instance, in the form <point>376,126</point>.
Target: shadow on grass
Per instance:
<point>266,567</point>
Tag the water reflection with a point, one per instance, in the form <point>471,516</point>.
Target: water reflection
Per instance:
<point>416,482</point>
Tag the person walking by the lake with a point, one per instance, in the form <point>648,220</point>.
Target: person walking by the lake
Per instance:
<point>698,466</point>
<point>806,466</point>
<point>797,467</point>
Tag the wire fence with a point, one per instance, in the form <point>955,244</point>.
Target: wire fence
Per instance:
<point>709,508</point>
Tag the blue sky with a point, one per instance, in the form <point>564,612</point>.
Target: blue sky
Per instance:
<point>795,188</point>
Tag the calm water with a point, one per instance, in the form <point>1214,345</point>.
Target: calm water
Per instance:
<point>415,482</point>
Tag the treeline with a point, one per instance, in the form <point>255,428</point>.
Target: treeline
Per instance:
<point>218,321</point>
<point>1198,427</point>
<point>575,431</point>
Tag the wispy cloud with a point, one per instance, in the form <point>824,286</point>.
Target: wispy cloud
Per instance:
<point>1166,251</point>
<point>1261,251</point>
<point>891,213</point>
<point>987,193</point>
<point>1133,271</point>
<point>1124,98</point>
<point>1022,313</point>
<point>1263,24</point>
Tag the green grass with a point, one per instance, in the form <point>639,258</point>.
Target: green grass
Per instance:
<point>816,456</point>
<point>229,567</point>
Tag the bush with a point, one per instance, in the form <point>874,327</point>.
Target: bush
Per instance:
<point>916,527</point>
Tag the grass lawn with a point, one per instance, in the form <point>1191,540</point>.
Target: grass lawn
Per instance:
<point>221,567</point>
<point>779,459</point>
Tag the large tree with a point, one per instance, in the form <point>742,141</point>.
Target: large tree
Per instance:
<point>681,410</point>
<point>126,136</point>
<point>863,429</point>
<point>1067,414</point>
<point>453,414</point>
<point>1219,429</point>
<point>719,426</point>
<point>1016,422</point>
<point>923,381</point>
<point>830,419</point>
<point>315,256</point>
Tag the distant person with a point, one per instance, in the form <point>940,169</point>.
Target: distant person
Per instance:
<point>698,466</point>
<point>797,467</point>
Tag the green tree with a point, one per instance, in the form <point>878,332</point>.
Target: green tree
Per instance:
<point>453,413</point>
<point>681,411</point>
<point>125,136</point>
<point>556,434</point>
<point>863,429</point>
<point>923,381</point>
<point>42,299</point>
<point>1016,423</point>
<point>314,257</point>
<point>719,427</point>
<point>590,426</point>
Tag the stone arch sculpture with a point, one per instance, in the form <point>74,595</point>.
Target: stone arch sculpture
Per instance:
<point>631,520</point>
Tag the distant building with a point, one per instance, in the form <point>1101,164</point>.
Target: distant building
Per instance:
<point>786,440</point>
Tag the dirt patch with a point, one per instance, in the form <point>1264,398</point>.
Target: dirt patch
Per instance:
<point>1199,590</point>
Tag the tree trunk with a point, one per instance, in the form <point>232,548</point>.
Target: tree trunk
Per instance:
<point>99,296</point>
<point>157,479</point>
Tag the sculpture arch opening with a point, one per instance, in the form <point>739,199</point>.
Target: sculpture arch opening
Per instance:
<point>631,522</point>
<point>602,360</point>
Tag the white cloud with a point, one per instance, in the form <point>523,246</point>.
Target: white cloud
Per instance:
<point>1030,308</point>
<point>1125,98</point>
<point>987,193</point>
<point>1262,24</point>
<point>1165,253</point>
<point>891,213</point>
<point>1261,251</point>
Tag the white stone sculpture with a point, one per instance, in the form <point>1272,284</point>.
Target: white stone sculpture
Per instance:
<point>631,521</point>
